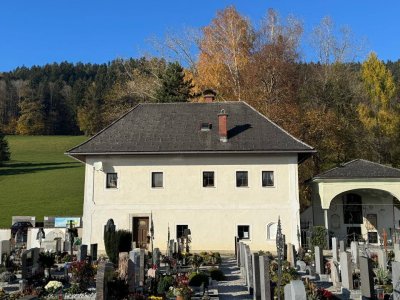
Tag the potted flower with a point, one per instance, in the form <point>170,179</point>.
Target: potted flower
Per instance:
<point>182,292</point>
<point>52,287</point>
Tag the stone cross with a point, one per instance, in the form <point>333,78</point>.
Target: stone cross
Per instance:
<point>265,286</point>
<point>335,249</point>
<point>346,270</point>
<point>256,276</point>
<point>319,260</point>
<point>366,277</point>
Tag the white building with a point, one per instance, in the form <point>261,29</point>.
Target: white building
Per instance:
<point>220,169</point>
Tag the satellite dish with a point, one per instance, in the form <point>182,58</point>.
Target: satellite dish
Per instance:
<point>98,166</point>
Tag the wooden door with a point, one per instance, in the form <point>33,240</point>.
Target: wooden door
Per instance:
<point>140,231</point>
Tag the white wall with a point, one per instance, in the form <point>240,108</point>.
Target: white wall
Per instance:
<point>5,234</point>
<point>211,213</point>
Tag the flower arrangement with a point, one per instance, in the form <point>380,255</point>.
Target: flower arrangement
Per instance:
<point>53,286</point>
<point>181,290</point>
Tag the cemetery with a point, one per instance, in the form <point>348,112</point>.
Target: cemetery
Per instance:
<point>63,268</point>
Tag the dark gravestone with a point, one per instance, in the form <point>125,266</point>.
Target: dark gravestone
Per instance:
<point>366,277</point>
<point>104,275</point>
<point>256,277</point>
<point>82,252</point>
<point>265,286</point>
<point>141,267</point>
<point>93,251</point>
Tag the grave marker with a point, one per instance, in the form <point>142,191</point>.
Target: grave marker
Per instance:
<point>295,290</point>
<point>82,253</point>
<point>319,260</point>
<point>342,247</point>
<point>265,287</point>
<point>335,249</point>
<point>346,271</point>
<point>366,277</point>
<point>93,251</point>
<point>354,252</point>
<point>396,280</point>
<point>382,260</point>
<point>291,255</point>
<point>104,275</point>
<point>256,276</point>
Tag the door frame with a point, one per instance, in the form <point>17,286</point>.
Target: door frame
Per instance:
<point>138,215</point>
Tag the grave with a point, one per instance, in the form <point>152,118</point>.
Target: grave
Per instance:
<point>104,275</point>
<point>342,247</point>
<point>382,259</point>
<point>346,270</point>
<point>249,270</point>
<point>256,276</point>
<point>291,255</point>
<point>265,287</point>
<point>29,262</point>
<point>319,260</point>
<point>5,248</point>
<point>396,280</point>
<point>366,277</point>
<point>335,249</point>
<point>123,259</point>
<point>354,252</point>
<point>295,290</point>
<point>82,253</point>
<point>133,269</point>
<point>93,251</point>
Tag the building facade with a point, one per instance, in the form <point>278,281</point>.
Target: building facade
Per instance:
<point>219,169</point>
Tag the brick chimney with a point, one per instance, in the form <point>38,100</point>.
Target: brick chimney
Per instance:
<point>209,96</point>
<point>222,126</point>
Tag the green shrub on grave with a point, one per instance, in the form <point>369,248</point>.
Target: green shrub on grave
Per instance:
<point>197,279</point>
<point>216,274</point>
<point>318,237</point>
<point>164,284</point>
<point>116,242</point>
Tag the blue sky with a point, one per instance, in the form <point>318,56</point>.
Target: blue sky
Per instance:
<point>44,31</point>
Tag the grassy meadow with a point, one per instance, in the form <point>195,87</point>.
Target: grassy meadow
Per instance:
<point>40,180</point>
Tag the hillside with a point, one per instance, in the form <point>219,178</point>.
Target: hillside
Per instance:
<point>40,180</point>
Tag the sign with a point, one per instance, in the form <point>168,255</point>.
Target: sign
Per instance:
<point>64,221</point>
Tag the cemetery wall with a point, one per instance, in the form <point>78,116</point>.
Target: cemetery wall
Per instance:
<point>212,214</point>
<point>50,234</point>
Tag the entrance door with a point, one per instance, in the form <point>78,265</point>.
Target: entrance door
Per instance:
<point>140,231</point>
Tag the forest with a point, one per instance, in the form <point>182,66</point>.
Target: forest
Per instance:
<point>345,103</point>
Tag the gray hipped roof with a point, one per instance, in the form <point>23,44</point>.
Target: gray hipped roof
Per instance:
<point>360,168</point>
<point>175,128</point>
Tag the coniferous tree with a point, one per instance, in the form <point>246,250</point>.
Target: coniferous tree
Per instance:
<point>174,87</point>
<point>4,150</point>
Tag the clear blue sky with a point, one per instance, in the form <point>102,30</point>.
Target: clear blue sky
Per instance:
<point>44,31</point>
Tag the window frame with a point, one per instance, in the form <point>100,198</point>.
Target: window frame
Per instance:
<point>213,179</point>
<point>108,186</point>
<point>247,179</point>
<point>249,232</point>
<point>153,181</point>
<point>262,179</point>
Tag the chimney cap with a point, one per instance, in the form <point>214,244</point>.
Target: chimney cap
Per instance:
<point>222,113</point>
<point>209,92</point>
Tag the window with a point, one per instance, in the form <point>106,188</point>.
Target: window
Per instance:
<point>271,231</point>
<point>208,179</point>
<point>112,181</point>
<point>243,232</point>
<point>267,178</point>
<point>241,178</point>
<point>157,180</point>
<point>180,229</point>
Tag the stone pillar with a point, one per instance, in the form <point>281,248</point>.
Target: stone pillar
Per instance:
<point>345,267</point>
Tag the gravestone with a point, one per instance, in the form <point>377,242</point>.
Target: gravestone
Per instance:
<point>396,280</point>
<point>67,246</point>
<point>141,267</point>
<point>123,259</point>
<point>93,251</point>
<point>156,257</point>
<point>335,249</point>
<point>23,284</point>
<point>354,252</point>
<point>29,260</point>
<point>295,290</point>
<point>346,270</point>
<point>256,276</point>
<point>49,246</point>
<point>342,247</point>
<point>291,255</point>
<point>104,275</point>
<point>242,259</point>
<point>319,260</point>
<point>396,250</point>
<point>133,269</point>
<point>58,244</point>
<point>5,248</point>
<point>249,270</point>
<point>335,279</point>
<point>366,277</point>
<point>301,265</point>
<point>265,287</point>
<point>171,248</point>
<point>82,253</point>
<point>382,260</point>
<point>238,254</point>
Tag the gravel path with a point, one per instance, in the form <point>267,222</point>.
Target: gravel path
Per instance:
<point>233,287</point>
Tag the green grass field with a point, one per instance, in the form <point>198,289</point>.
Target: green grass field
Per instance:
<point>40,180</point>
